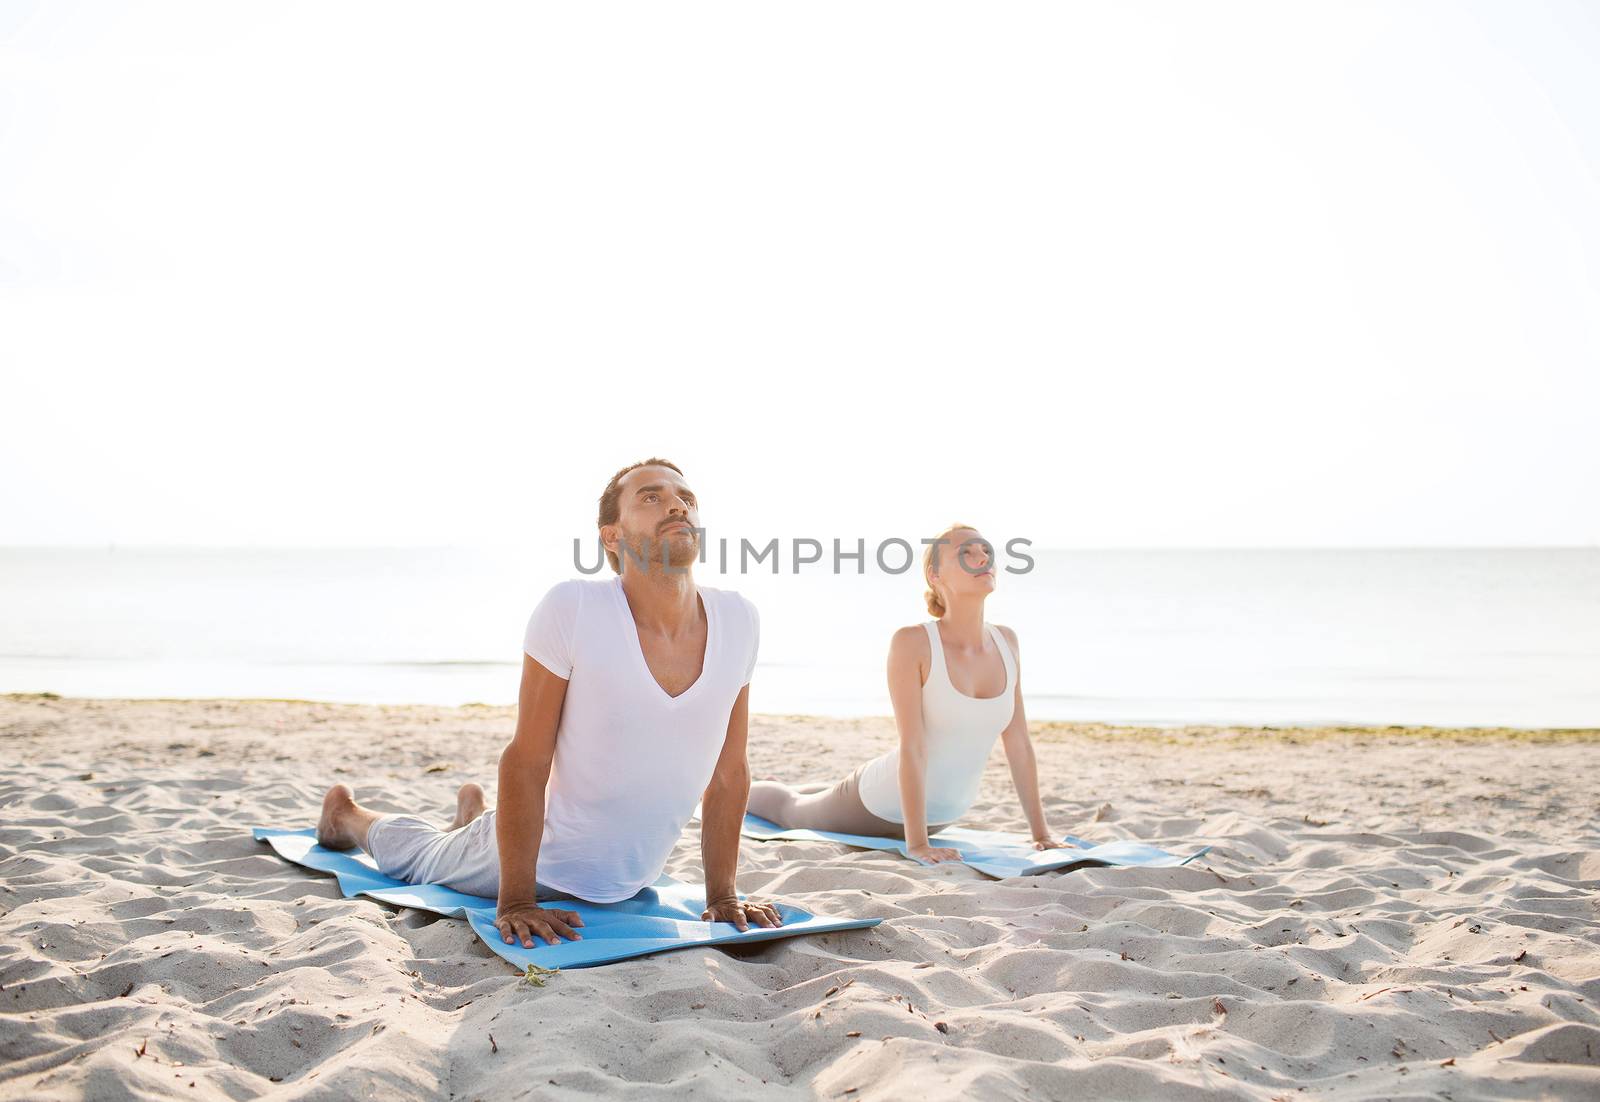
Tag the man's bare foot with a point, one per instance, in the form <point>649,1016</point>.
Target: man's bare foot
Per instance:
<point>339,809</point>
<point>469,805</point>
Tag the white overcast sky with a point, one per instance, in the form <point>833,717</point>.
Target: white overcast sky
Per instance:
<point>1277,274</point>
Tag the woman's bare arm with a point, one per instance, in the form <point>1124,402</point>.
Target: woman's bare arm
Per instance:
<point>905,694</point>
<point>1019,755</point>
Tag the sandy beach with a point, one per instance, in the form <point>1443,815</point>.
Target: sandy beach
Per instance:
<point>1385,914</point>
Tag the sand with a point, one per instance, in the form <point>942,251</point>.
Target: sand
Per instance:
<point>1386,913</point>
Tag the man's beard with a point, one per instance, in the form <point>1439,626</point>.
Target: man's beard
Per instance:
<point>680,548</point>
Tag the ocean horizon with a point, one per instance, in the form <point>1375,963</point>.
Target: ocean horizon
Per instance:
<point>1440,637</point>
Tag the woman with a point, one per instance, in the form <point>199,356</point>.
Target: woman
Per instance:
<point>956,685</point>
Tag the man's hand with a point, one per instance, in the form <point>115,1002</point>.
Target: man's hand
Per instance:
<point>1051,843</point>
<point>932,855</point>
<point>741,912</point>
<point>526,921</point>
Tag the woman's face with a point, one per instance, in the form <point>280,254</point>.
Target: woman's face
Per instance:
<point>965,565</point>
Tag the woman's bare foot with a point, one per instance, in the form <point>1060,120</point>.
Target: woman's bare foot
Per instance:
<point>334,828</point>
<point>469,805</point>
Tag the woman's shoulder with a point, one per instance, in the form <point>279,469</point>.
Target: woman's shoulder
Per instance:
<point>910,653</point>
<point>915,635</point>
<point>1010,636</point>
<point>910,641</point>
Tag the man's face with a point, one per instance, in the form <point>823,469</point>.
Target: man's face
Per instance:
<point>656,514</point>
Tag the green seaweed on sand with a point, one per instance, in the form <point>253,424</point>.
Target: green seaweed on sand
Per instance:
<point>535,975</point>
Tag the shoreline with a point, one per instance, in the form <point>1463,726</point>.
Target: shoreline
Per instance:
<point>1037,727</point>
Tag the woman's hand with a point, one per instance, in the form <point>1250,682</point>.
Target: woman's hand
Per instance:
<point>741,912</point>
<point>1051,843</point>
<point>526,921</point>
<point>932,855</point>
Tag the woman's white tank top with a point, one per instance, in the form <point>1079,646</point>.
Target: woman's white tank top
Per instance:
<point>960,731</point>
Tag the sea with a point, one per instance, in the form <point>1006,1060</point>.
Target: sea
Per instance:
<point>1265,637</point>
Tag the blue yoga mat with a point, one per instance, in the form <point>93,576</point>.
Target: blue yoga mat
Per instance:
<point>991,852</point>
<point>664,916</point>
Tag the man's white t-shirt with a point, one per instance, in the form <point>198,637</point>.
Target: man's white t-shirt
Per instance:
<point>631,762</point>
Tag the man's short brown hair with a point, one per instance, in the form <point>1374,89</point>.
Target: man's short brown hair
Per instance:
<point>611,499</point>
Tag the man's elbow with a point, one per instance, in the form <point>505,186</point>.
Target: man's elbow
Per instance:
<point>730,782</point>
<point>518,765</point>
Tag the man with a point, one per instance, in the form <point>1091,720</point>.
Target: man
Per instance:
<point>634,703</point>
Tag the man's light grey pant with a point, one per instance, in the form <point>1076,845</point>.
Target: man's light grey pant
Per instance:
<point>409,848</point>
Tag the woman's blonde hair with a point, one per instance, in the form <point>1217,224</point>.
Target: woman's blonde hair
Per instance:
<point>936,602</point>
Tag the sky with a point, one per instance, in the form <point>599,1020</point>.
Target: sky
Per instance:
<point>1155,275</point>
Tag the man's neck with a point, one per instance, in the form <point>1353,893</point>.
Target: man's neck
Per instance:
<point>662,601</point>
